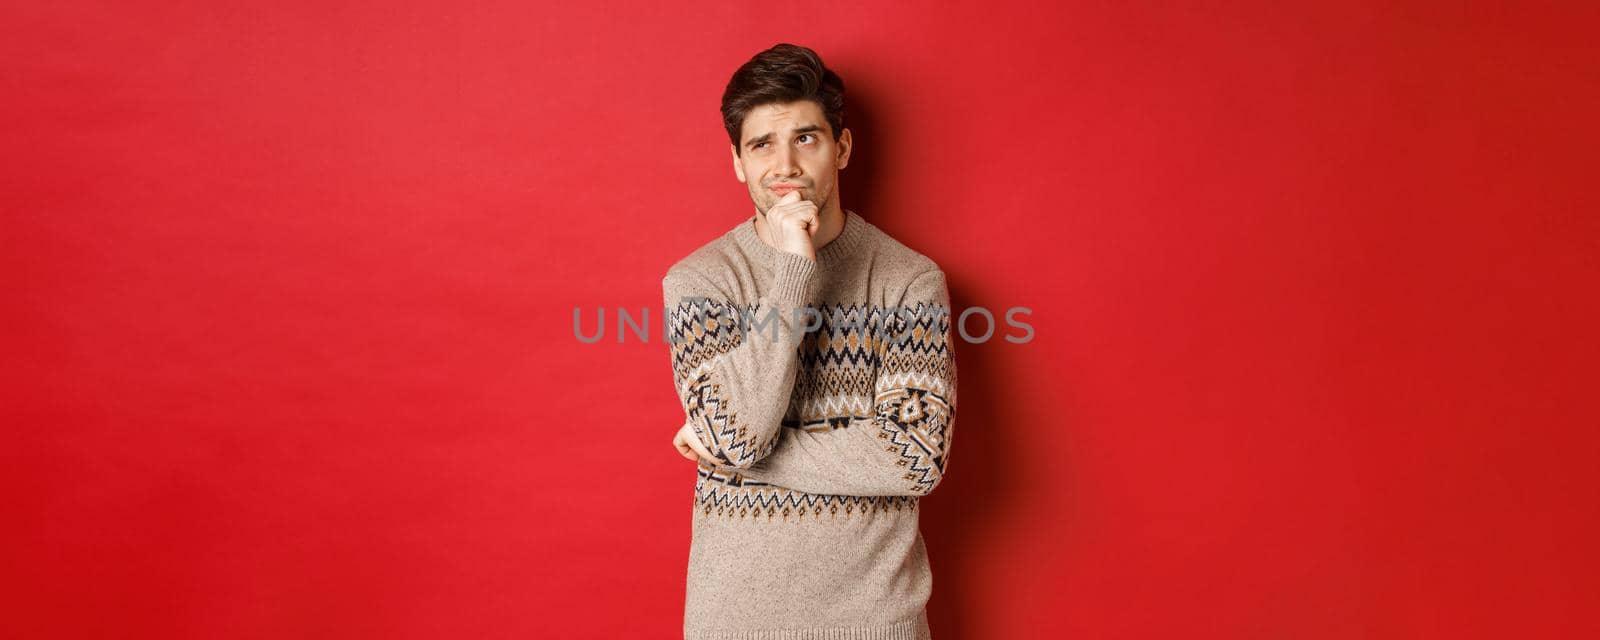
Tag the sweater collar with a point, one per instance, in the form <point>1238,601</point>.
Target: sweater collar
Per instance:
<point>849,238</point>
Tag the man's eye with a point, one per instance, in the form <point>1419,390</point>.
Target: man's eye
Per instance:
<point>760,145</point>
<point>805,135</point>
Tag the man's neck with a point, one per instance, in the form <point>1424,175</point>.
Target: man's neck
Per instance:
<point>832,226</point>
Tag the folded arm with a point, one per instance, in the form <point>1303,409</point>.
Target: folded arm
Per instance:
<point>734,365</point>
<point>904,447</point>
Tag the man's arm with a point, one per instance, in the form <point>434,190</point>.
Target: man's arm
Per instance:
<point>735,386</point>
<point>904,448</point>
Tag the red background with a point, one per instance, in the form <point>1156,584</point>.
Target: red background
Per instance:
<point>289,293</point>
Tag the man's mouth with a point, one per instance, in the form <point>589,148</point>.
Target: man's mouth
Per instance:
<point>781,189</point>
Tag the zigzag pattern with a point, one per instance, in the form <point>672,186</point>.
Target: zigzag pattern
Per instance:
<point>705,404</point>
<point>915,422</point>
<point>809,412</point>
<point>916,394</point>
<point>732,496</point>
<point>700,332</point>
<point>897,358</point>
<point>846,382</point>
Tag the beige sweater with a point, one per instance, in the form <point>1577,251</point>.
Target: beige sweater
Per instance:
<point>826,431</point>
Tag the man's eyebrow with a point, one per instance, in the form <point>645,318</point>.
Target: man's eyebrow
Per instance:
<point>796,131</point>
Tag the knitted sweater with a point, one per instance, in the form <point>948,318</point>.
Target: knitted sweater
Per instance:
<point>827,428</point>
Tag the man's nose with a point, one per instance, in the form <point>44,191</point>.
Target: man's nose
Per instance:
<point>787,164</point>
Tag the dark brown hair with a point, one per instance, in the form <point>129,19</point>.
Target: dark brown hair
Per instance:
<point>784,73</point>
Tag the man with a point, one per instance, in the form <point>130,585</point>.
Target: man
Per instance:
<point>811,354</point>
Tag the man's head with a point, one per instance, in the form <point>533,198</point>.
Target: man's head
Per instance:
<point>784,112</point>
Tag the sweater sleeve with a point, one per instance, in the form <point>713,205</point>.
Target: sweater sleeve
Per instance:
<point>904,448</point>
<point>733,364</point>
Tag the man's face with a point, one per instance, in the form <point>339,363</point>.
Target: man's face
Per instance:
<point>790,144</point>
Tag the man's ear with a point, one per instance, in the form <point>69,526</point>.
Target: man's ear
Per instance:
<point>845,145</point>
<point>738,169</point>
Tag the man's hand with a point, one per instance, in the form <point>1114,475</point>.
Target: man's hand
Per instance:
<point>793,222</point>
<point>689,446</point>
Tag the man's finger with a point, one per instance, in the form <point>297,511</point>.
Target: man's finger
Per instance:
<point>682,449</point>
<point>699,448</point>
<point>701,451</point>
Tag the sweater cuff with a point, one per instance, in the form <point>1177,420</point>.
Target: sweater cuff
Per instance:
<point>792,276</point>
